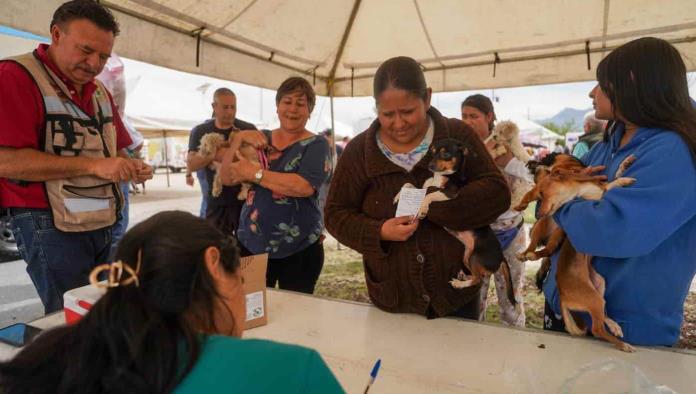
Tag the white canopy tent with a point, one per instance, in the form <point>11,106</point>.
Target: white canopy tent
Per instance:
<point>535,133</point>
<point>338,44</point>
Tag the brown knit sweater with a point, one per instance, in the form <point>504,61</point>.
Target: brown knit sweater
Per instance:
<point>411,275</point>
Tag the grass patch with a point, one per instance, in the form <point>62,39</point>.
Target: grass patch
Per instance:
<point>342,276</point>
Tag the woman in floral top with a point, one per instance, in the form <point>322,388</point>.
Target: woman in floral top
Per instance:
<point>281,215</point>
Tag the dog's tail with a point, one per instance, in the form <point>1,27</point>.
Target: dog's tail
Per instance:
<point>509,290</point>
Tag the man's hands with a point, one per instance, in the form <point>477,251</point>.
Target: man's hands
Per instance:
<point>117,169</point>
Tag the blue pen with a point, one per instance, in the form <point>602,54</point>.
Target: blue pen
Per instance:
<point>373,374</point>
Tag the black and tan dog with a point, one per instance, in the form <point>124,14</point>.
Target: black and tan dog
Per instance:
<point>483,255</point>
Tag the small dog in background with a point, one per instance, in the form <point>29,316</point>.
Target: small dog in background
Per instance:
<point>210,143</point>
<point>506,135</point>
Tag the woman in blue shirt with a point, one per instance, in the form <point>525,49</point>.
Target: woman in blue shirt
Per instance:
<point>281,215</point>
<point>642,237</point>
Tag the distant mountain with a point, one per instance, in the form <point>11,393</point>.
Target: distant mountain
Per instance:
<point>566,115</point>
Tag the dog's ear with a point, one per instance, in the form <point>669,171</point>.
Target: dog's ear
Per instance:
<point>532,166</point>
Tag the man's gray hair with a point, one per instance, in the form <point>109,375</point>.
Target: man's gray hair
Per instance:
<point>595,125</point>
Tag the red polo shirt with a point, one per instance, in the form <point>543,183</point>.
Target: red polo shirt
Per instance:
<point>22,119</point>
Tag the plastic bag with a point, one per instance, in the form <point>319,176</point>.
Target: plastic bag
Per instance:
<point>612,376</point>
<point>113,78</point>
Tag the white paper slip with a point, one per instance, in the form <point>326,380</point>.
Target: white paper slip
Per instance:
<point>86,204</point>
<point>409,201</point>
<point>254,305</point>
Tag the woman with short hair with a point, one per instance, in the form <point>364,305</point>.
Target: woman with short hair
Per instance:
<point>281,215</point>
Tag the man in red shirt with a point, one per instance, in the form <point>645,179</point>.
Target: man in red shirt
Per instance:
<point>58,143</point>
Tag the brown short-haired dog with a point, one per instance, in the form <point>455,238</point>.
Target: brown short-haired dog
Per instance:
<point>580,287</point>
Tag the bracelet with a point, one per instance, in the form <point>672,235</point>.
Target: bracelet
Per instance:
<point>188,175</point>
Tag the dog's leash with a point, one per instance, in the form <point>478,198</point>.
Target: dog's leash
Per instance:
<point>263,159</point>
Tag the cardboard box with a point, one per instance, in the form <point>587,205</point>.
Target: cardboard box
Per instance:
<point>254,272</point>
<point>77,302</point>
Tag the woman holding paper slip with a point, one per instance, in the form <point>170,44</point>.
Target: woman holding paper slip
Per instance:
<point>170,321</point>
<point>408,265</point>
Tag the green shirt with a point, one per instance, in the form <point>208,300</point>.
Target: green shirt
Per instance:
<point>233,365</point>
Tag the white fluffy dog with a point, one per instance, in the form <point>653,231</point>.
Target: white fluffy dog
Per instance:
<point>506,135</point>
<point>208,147</point>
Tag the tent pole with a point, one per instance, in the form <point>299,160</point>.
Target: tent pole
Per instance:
<point>166,155</point>
<point>334,159</point>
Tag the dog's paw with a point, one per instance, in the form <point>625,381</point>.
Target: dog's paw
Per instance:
<point>461,284</point>
<point>613,327</point>
<point>628,161</point>
<point>461,275</point>
<point>527,256</point>
<point>627,181</point>
<point>520,208</point>
<point>625,347</point>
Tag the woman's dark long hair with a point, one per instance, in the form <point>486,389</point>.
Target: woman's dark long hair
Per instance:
<point>135,339</point>
<point>403,73</point>
<point>645,80</point>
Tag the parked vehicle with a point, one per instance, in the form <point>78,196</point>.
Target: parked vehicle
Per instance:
<point>8,245</point>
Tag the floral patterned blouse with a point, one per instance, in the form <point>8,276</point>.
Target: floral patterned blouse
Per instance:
<point>409,160</point>
<point>280,225</point>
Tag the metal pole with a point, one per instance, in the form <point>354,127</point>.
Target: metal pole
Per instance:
<point>166,155</point>
<point>334,157</point>
<point>333,128</point>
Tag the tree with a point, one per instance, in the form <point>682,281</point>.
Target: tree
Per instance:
<point>565,128</point>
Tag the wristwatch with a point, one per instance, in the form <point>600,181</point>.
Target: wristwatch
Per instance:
<point>258,176</point>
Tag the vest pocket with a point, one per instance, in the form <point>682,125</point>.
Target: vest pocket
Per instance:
<point>85,208</point>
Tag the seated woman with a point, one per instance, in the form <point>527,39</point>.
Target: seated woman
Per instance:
<point>170,323</point>
<point>642,237</point>
<point>408,265</point>
<point>281,215</point>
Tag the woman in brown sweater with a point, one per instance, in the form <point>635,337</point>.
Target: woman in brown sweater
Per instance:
<point>408,266</point>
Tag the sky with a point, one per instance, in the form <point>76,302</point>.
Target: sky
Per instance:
<point>258,105</point>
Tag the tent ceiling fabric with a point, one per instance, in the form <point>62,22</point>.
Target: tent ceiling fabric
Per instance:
<point>261,42</point>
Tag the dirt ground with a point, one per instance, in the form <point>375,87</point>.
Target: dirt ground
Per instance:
<point>342,277</point>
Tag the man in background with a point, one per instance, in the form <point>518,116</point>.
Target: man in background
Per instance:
<point>222,211</point>
<point>594,129</point>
